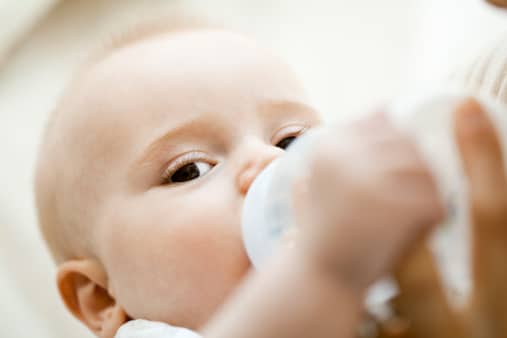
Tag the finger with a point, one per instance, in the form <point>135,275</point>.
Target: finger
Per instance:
<point>422,301</point>
<point>376,326</point>
<point>484,167</point>
<point>394,328</point>
<point>498,3</point>
<point>482,157</point>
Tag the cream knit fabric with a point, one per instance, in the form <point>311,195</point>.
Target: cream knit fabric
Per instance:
<point>487,73</point>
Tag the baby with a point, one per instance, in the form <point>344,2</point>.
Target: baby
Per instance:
<point>142,174</point>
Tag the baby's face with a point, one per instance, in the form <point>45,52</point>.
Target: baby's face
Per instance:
<point>182,124</point>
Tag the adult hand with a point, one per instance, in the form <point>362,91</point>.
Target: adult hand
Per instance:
<point>369,197</point>
<point>422,303</point>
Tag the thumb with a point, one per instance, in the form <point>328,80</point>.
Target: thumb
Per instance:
<point>480,150</point>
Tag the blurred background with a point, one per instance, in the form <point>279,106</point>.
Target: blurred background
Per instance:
<point>352,55</point>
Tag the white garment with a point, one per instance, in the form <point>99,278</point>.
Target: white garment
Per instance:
<point>141,328</point>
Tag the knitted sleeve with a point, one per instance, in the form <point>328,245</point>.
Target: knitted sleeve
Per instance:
<point>487,73</point>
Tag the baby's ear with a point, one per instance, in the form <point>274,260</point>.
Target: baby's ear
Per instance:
<point>83,288</point>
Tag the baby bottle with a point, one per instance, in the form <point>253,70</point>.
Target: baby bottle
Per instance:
<point>267,214</point>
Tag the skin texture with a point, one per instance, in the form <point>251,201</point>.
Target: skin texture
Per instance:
<point>183,240</point>
<point>173,252</point>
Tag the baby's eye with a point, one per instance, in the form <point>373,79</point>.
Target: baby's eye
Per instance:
<point>186,168</point>
<point>285,136</point>
<point>286,142</point>
<point>190,171</point>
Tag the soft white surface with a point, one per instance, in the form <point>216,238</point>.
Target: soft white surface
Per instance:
<point>351,55</point>
<point>147,329</point>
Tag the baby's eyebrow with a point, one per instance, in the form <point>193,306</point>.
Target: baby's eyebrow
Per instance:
<point>151,152</point>
<point>270,107</point>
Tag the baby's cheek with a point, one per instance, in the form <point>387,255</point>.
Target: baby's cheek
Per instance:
<point>126,275</point>
<point>207,266</point>
<point>137,259</point>
<point>178,271</point>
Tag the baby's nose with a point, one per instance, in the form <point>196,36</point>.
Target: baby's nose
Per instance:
<point>254,165</point>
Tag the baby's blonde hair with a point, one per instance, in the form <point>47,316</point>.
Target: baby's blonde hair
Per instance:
<point>67,234</point>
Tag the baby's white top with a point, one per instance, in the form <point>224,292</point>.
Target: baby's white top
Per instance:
<point>141,328</point>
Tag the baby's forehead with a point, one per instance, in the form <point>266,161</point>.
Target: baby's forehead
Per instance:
<point>182,73</point>
<point>206,52</point>
<point>195,61</point>
<point>158,82</point>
